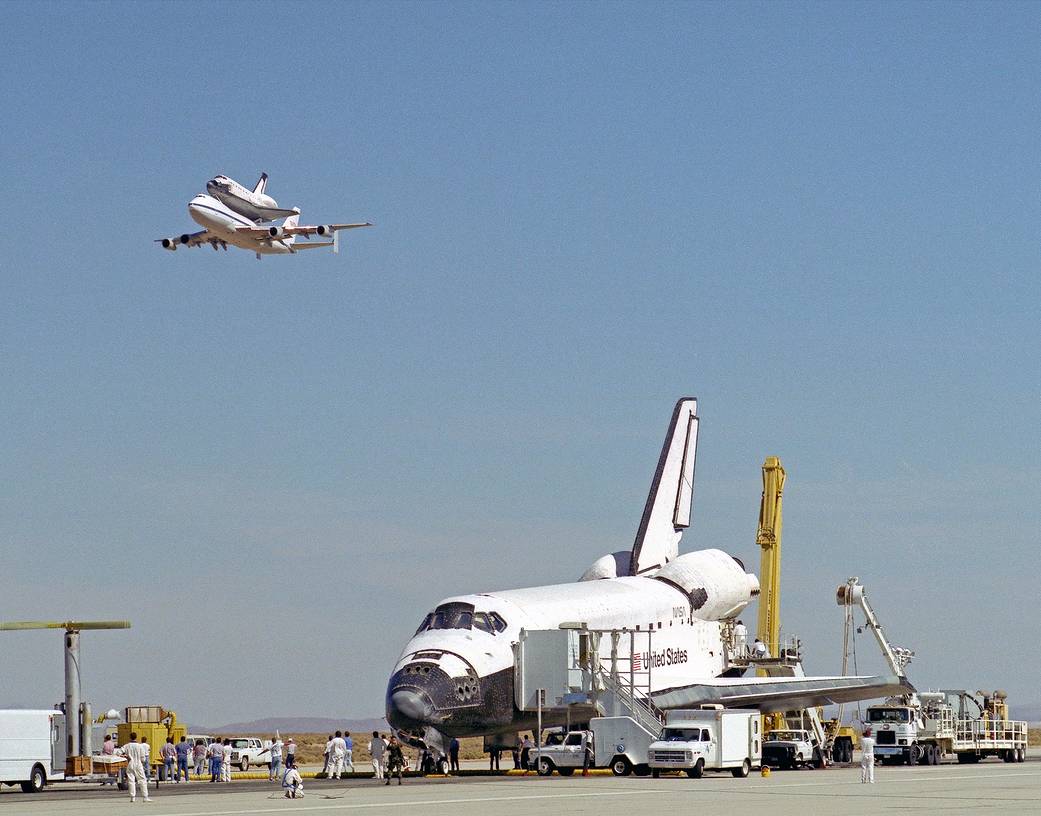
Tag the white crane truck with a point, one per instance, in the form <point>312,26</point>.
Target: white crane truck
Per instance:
<point>921,729</point>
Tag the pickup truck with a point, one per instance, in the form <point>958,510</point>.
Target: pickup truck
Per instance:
<point>791,748</point>
<point>618,743</point>
<point>245,751</point>
<point>561,753</point>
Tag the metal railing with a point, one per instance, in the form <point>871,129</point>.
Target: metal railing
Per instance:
<point>637,705</point>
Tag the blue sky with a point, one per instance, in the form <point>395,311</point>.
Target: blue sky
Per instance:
<point>820,219</point>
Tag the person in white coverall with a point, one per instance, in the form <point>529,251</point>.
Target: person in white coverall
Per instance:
<point>377,748</point>
<point>137,756</point>
<point>337,751</point>
<point>740,639</point>
<point>293,784</point>
<point>225,766</point>
<point>867,757</point>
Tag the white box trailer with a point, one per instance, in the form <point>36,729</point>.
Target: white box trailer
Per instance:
<point>708,739</point>
<point>32,748</point>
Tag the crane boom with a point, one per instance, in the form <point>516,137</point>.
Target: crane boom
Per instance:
<point>852,593</point>
<point>768,537</point>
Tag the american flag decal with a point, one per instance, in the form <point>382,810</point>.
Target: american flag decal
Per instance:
<point>637,662</point>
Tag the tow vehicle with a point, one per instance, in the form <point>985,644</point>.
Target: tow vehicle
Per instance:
<point>618,743</point>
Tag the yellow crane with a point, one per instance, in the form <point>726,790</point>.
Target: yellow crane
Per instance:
<point>768,537</point>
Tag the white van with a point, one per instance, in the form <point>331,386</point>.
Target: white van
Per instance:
<point>32,748</point>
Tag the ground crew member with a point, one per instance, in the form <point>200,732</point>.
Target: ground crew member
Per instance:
<point>293,784</point>
<point>348,754</point>
<point>741,639</point>
<point>200,756</point>
<point>759,649</point>
<point>225,765</point>
<point>183,751</point>
<point>275,767</point>
<point>216,753</point>
<point>291,753</point>
<point>587,752</point>
<point>327,754</point>
<point>377,748</point>
<point>526,746</point>
<point>453,754</point>
<point>137,757</point>
<point>395,759</point>
<point>169,754</point>
<point>108,748</point>
<point>867,757</point>
<point>337,749</point>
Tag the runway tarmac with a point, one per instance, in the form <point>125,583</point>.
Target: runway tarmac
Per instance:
<point>951,790</point>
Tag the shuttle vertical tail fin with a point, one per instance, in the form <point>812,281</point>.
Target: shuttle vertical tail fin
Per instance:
<point>671,499</point>
<point>261,184</point>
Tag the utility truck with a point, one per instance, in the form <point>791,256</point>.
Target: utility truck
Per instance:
<point>937,724</point>
<point>619,743</point>
<point>707,739</point>
<point>920,729</point>
<point>32,748</point>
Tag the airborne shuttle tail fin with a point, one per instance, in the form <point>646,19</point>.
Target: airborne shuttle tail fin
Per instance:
<point>670,503</point>
<point>261,184</point>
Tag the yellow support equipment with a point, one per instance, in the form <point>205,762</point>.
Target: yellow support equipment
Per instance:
<point>768,537</point>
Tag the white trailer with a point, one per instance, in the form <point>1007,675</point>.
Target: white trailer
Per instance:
<point>32,748</point>
<point>708,739</point>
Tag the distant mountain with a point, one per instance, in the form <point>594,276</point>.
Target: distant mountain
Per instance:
<point>298,725</point>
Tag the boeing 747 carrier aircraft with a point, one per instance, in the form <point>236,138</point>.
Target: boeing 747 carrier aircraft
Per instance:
<point>455,677</point>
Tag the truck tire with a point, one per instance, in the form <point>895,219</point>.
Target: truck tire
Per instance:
<point>37,779</point>
<point>643,769</point>
<point>244,764</point>
<point>655,773</point>
<point>698,770</point>
<point>914,754</point>
<point>621,766</point>
<point>544,766</point>
<point>1021,754</point>
<point>925,755</point>
<point>742,772</point>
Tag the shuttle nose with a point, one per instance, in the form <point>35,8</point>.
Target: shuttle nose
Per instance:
<point>412,705</point>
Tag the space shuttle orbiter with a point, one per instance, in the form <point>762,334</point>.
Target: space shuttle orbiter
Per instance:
<point>455,677</point>
<point>253,204</point>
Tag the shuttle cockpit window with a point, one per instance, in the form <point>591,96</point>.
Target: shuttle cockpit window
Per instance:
<point>449,616</point>
<point>483,622</point>
<point>497,621</point>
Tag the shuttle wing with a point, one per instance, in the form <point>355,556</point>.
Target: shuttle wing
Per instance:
<point>670,503</point>
<point>781,693</point>
<point>273,213</point>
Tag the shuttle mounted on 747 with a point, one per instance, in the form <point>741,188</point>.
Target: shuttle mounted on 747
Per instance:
<point>455,676</point>
<point>231,214</point>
